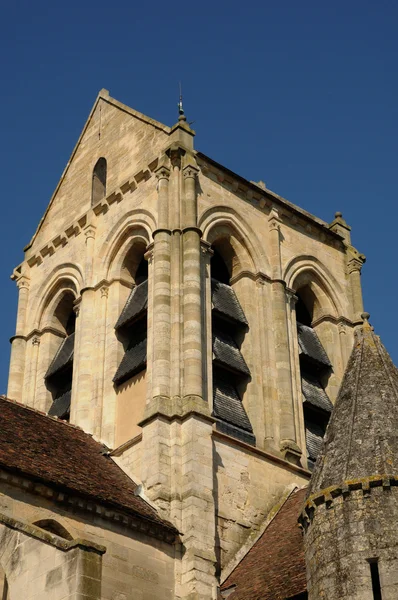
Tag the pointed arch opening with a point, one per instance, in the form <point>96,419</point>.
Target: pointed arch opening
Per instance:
<point>98,190</point>
<point>229,370</point>
<point>315,368</point>
<point>132,332</point>
<point>59,374</point>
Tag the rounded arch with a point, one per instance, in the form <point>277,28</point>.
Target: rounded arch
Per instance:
<point>98,188</point>
<point>234,239</point>
<point>133,229</point>
<point>318,288</point>
<point>55,527</point>
<point>66,279</point>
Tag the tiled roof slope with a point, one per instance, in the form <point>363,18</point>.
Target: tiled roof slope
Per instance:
<point>274,568</point>
<point>362,436</point>
<point>63,456</point>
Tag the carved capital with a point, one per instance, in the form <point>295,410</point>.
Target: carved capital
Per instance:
<point>76,307</point>
<point>162,172</point>
<point>89,232</point>
<point>23,283</point>
<point>190,172</point>
<point>206,248</point>
<point>35,341</point>
<point>104,291</point>
<point>291,297</point>
<point>274,220</point>
<point>355,264</point>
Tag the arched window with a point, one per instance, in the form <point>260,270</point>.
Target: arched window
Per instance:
<point>59,374</point>
<point>314,367</point>
<point>53,526</point>
<point>230,371</point>
<point>131,325</point>
<point>99,181</point>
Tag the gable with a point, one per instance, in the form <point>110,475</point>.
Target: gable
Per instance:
<point>127,140</point>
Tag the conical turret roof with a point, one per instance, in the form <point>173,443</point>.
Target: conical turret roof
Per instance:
<point>362,436</point>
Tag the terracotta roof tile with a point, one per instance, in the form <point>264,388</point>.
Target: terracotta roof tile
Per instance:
<point>59,454</point>
<point>274,568</point>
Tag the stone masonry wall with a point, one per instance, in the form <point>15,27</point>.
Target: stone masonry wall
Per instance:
<point>341,539</point>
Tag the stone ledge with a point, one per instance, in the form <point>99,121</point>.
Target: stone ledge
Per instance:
<point>327,495</point>
<point>50,538</point>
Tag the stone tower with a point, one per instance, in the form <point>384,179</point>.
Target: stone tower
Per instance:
<point>351,514</point>
<point>195,322</point>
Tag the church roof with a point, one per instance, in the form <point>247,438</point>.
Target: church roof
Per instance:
<point>362,436</point>
<point>274,568</point>
<point>61,455</point>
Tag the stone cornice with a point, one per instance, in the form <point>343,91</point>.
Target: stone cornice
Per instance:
<point>75,502</point>
<point>328,495</point>
<point>49,538</point>
<point>266,199</point>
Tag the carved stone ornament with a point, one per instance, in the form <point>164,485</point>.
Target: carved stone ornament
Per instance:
<point>104,291</point>
<point>89,232</point>
<point>23,283</point>
<point>35,341</point>
<point>190,172</point>
<point>162,173</point>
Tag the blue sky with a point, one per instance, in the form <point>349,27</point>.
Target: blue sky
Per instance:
<point>301,95</point>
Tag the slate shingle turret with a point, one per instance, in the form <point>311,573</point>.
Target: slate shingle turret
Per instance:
<point>351,514</point>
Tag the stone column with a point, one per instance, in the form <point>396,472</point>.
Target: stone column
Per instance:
<point>161,298</point>
<point>288,441</point>
<point>82,406</point>
<point>99,387</point>
<point>34,357</point>
<point>192,304</point>
<point>354,270</point>
<point>18,347</point>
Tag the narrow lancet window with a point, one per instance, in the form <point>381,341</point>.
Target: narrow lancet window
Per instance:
<point>99,181</point>
<point>230,371</point>
<point>374,573</point>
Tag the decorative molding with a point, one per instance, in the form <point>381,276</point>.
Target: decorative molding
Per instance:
<point>104,291</point>
<point>101,207</point>
<point>190,172</point>
<point>23,283</point>
<point>75,502</point>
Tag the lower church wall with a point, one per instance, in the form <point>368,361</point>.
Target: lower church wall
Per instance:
<point>134,565</point>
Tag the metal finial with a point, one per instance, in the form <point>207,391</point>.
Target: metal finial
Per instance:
<point>182,116</point>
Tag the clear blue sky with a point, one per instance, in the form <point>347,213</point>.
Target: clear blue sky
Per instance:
<point>303,95</point>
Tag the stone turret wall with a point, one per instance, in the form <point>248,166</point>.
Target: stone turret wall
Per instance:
<point>344,535</point>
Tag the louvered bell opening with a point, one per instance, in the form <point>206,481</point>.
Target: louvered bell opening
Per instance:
<point>314,434</point>
<point>314,394</point>
<point>63,358</point>
<point>134,359</point>
<point>135,306</point>
<point>61,406</point>
<point>226,304</point>
<point>310,346</point>
<point>229,410</point>
<point>227,354</point>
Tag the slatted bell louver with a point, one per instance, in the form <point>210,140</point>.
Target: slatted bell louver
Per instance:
<point>225,302</point>
<point>61,406</point>
<point>63,357</point>
<point>136,305</point>
<point>227,354</point>
<point>314,438</point>
<point>314,394</point>
<point>134,359</point>
<point>310,346</point>
<point>228,407</point>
